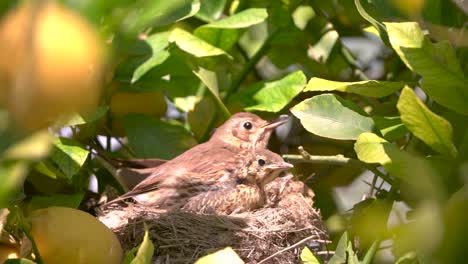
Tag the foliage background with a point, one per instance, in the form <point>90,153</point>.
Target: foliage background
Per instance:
<point>382,83</point>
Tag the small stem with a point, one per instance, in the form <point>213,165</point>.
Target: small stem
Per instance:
<point>249,66</point>
<point>335,160</point>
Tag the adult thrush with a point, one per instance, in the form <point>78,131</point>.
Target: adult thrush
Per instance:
<point>242,131</point>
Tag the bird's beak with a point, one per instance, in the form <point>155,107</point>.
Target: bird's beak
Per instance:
<point>272,124</point>
<point>281,166</point>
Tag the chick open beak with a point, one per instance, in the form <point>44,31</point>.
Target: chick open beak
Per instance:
<point>272,124</point>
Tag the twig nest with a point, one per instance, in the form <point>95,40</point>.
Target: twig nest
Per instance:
<point>182,237</point>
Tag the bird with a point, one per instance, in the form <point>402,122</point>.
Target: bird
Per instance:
<point>243,191</point>
<point>243,131</point>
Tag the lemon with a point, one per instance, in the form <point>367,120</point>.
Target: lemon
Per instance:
<point>66,235</point>
<point>51,63</point>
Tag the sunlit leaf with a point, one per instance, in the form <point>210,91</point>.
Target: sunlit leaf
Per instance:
<point>19,261</point>
<point>414,170</point>
<point>210,79</point>
<point>69,156</point>
<point>307,257</point>
<point>33,147</point>
<point>152,138</point>
<point>321,50</point>
<point>225,33</point>
<point>145,251</point>
<point>369,88</point>
<point>302,15</point>
<point>442,78</point>
<point>434,130</point>
<point>194,45</point>
<point>271,96</point>
<point>329,115</point>
<point>227,255</point>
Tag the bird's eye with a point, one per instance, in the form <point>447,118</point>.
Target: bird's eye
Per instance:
<point>248,125</point>
<point>261,162</point>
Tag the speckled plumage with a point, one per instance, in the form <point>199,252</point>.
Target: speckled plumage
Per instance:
<point>211,162</point>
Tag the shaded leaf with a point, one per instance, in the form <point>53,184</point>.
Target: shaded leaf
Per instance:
<point>194,45</point>
<point>344,252</point>
<point>148,13</point>
<point>19,261</point>
<point>271,96</point>
<point>69,156</point>
<point>434,130</point>
<point>80,119</point>
<point>329,115</point>
<point>64,200</point>
<point>307,257</point>
<point>226,255</point>
<point>442,78</point>
<point>369,88</point>
<point>158,43</point>
<point>12,175</point>
<point>211,10</point>
<point>392,128</point>
<point>153,138</point>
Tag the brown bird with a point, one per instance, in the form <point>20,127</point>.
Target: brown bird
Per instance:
<point>215,157</point>
<point>243,191</point>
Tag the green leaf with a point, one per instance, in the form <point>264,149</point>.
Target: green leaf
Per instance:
<point>323,49</point>
<point>344,252</point>
<point>158,43</point>
<point>153,138</point>
<point>145,251</point>
<point>302,15</point>
<point>64,200</point>
<point>211,10</point>
<point>225,33</point>
<point>369,88</point>
<point>307,257</point>
<point>392,128</point>
<point>148,13</point>
<point>210,79</point>
<point>69,155</point>
<point>442,78</point>
<point>416,171</point>
<point>271,96</point>
<point>80,119</point>
<point>34,147</point>
<point>434,130</point>
<point>329,115</point>
<point>226,255</point>
<point>12,175</point>
<point>194,45</point>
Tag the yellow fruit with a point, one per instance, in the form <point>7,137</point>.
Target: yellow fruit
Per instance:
<point>7,252</point>
<point>145,103</point>
<point>123,103</point>
<point>51,63</point>
<point>66,235</point>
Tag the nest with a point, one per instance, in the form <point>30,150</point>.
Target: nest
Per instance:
<point>275,233</point>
